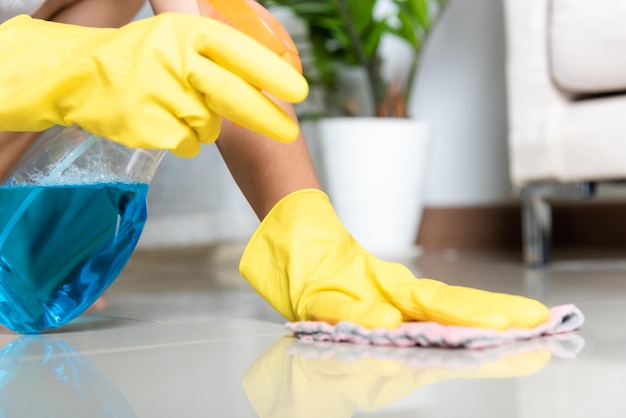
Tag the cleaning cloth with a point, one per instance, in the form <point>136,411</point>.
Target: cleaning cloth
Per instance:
<point>563,319</point>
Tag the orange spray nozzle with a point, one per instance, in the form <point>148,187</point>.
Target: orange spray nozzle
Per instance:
<point>254,20</point>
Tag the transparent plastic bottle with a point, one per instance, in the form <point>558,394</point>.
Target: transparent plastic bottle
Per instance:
<point>73,210</point>
<point>71,214</point>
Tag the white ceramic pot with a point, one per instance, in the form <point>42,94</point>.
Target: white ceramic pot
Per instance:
<point>373,170</point>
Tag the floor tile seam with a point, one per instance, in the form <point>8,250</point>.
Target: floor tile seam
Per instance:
<point>92,352</point>
<point>168,323</point>
<point>106,351</point>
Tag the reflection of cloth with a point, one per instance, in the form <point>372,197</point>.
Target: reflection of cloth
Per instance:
<point>12,8</point>
<point>323,379</point>
<point>564,318</point>
<point>565,346</point>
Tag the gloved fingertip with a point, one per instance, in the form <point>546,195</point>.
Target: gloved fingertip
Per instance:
<point>277,126</point>
<point>296,91</point>
<point>287,131</point>
<point>532,314</point>
<point>211,131</point>
<point>187,149</point>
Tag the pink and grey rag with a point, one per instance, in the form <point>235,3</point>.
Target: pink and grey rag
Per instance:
<point>563,319</point>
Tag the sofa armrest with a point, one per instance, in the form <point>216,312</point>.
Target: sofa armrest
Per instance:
<point>587,45</point>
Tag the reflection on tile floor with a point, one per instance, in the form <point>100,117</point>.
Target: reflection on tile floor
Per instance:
<point>184,336</point>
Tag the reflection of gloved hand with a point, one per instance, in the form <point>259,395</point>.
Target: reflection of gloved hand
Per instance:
<point>162,82</point>
<point>283,385</point>
<point>308,267</point>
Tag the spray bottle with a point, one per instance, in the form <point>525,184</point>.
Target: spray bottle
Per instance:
<point>74,208</point>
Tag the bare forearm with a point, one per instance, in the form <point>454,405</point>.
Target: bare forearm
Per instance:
<point>264,169</point>
<point>179,6</point>
<point>94,13</point>
<point>12,146</point>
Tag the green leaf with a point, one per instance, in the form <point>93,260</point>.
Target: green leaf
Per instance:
<point>362,12</point>
<point>372,40</point>
<point>313,8</point>
<point>407,29</point>
<point>421,10</point>
<point>322,61</point>
<point>325,22</point>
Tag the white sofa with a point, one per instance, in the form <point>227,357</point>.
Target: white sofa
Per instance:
<point>566,79</point>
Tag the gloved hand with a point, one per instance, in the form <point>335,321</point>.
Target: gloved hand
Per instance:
<point>161,82</point>
<point>304,262</point>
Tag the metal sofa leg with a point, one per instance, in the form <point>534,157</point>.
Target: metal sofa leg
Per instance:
<point>536,226</point>
<point>537,216</point>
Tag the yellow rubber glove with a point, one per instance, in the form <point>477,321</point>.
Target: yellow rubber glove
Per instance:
<point>161,82</point>
<point>282,385</point>
<point>304,262</point>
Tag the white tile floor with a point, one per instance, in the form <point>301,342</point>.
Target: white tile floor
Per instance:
<point>185,337</point>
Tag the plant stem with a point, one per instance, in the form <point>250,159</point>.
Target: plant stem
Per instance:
<point>412,75</point>
<point>371,65</point>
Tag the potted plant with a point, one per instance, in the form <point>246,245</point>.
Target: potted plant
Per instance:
<point>371,153</point>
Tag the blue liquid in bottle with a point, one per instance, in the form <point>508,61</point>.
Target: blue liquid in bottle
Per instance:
<point>61,246</point>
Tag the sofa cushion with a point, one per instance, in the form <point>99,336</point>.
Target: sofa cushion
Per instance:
<point>587,45</point>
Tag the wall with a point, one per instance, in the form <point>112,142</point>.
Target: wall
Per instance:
<point>461,91</point>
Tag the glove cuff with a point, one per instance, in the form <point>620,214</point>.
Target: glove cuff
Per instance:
<point>41,70</point>
<point>273,261</point>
